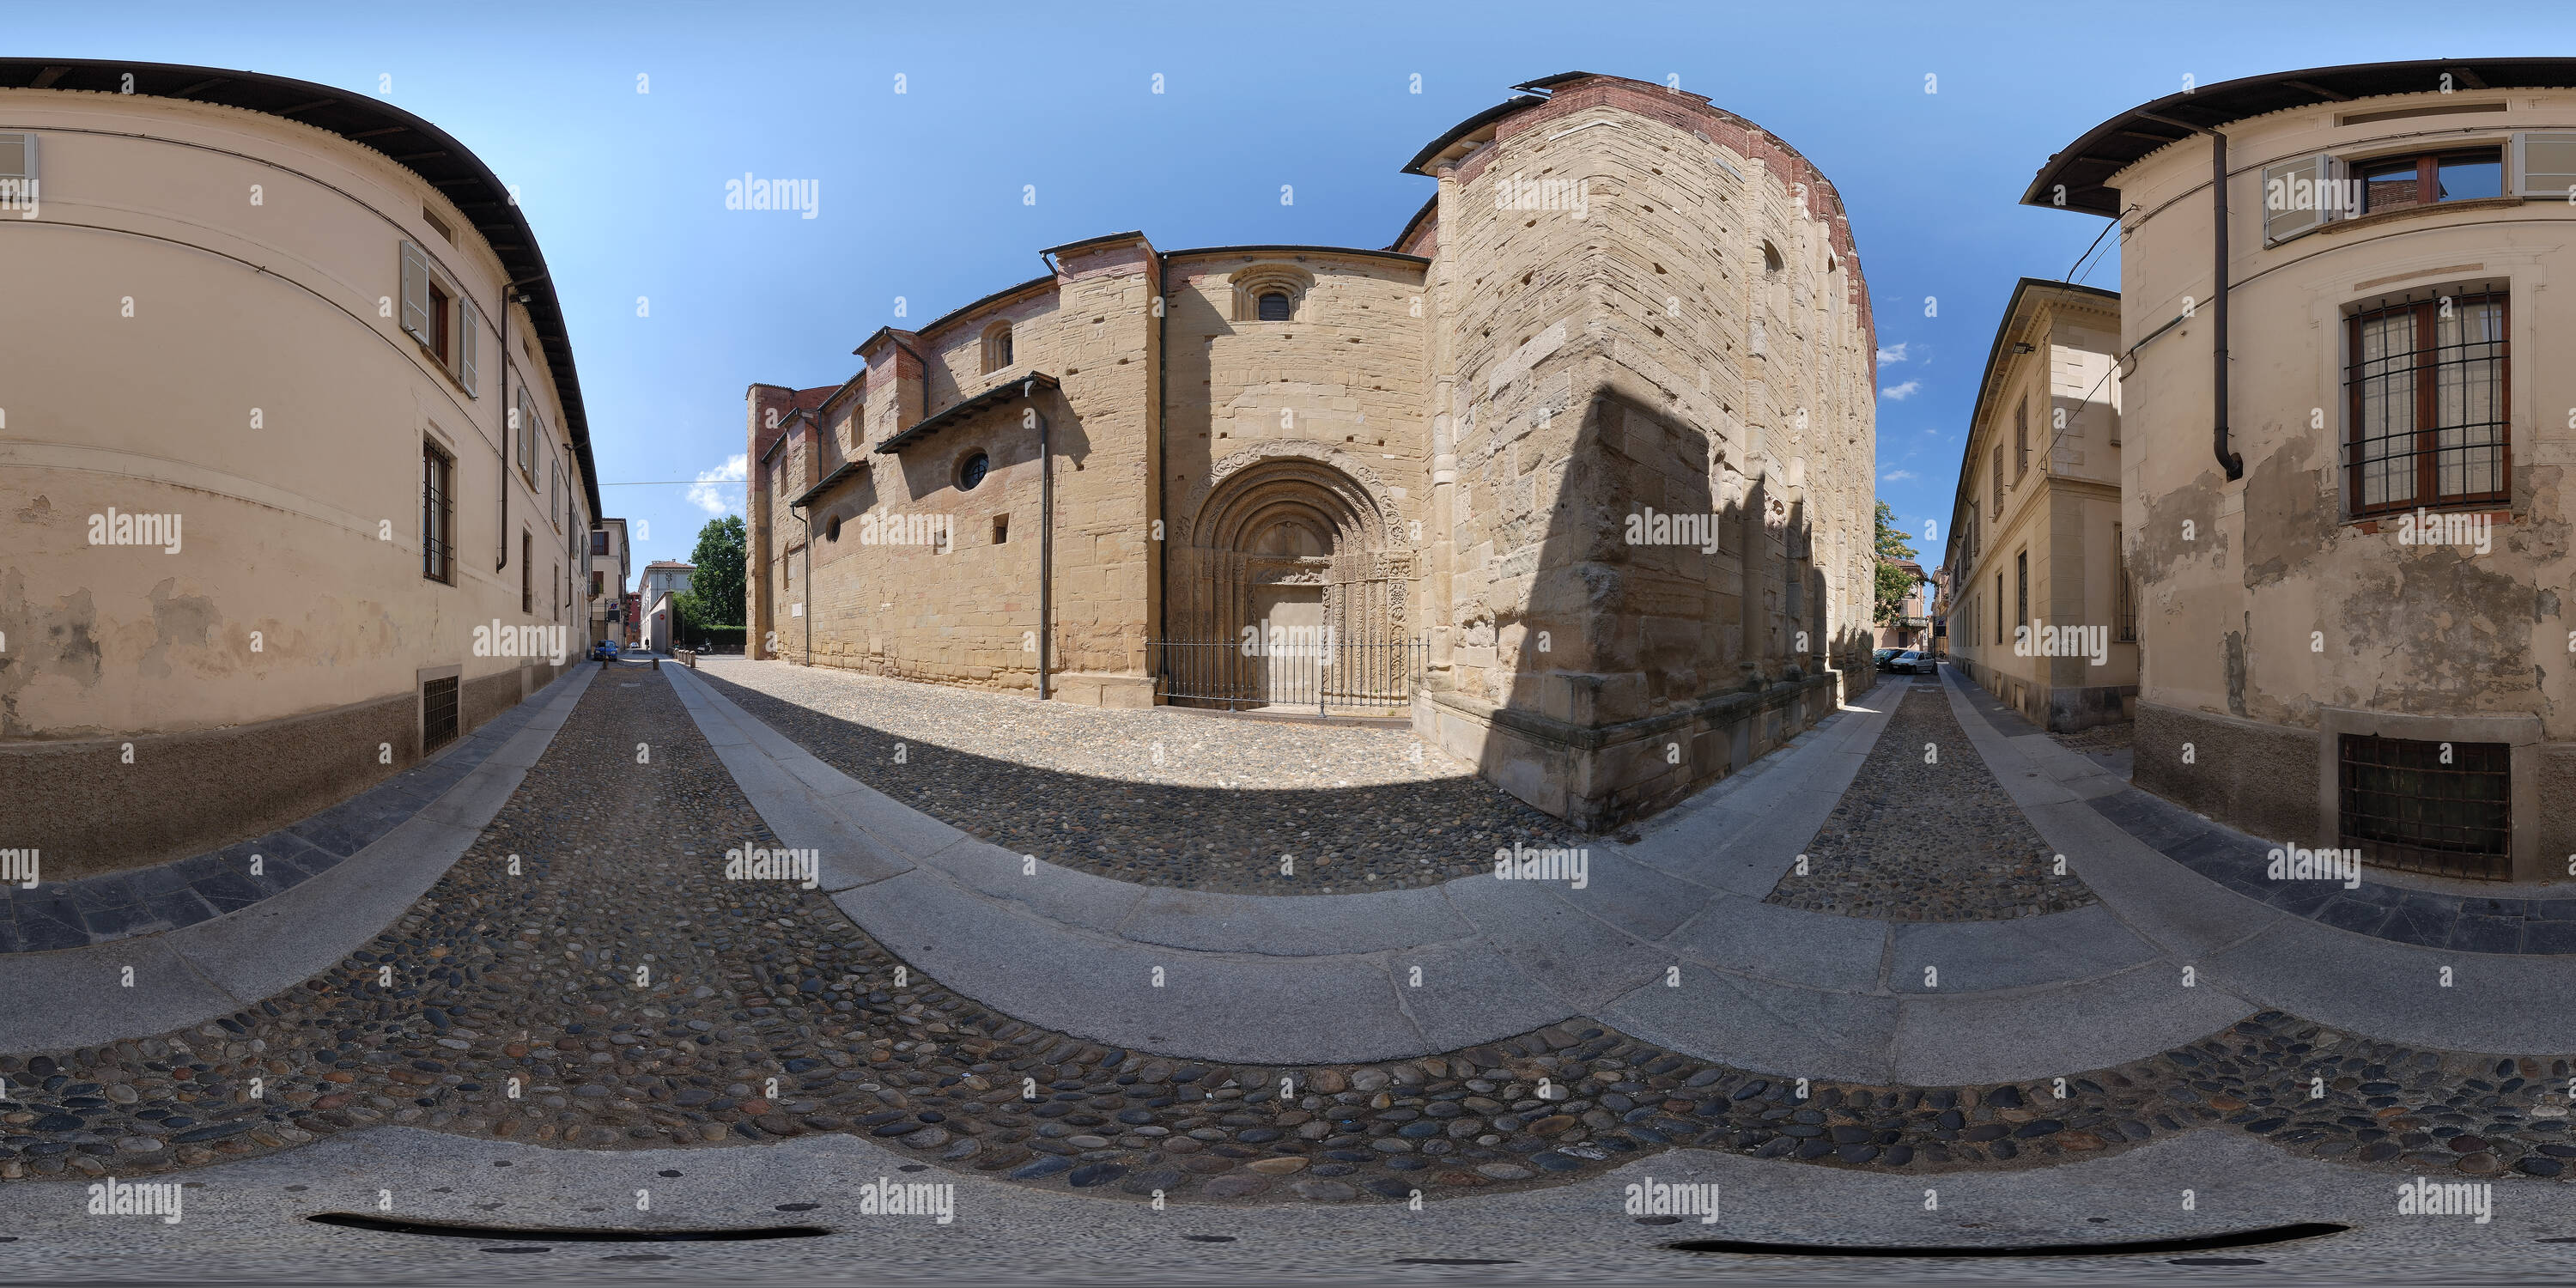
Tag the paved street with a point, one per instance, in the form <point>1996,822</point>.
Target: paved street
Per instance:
<point>617,992</point>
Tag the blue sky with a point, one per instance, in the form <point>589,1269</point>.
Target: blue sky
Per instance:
<point>921,192</point>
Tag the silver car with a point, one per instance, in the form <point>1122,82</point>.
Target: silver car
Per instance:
<point>1911,662</point>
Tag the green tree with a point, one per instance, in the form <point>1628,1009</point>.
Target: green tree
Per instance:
<point>1893,581</point>
<point>715,594</point>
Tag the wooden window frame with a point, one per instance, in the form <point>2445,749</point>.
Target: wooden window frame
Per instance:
<point>442,321</point>
<point>2428,167</point>
<point>2427,451</point>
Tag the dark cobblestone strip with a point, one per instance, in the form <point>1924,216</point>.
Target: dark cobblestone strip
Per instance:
<point>1912,840</point>
<point>533,977</point>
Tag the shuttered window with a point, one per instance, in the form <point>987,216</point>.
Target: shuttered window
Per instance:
<point>415,295</point>
<point>18,184</point>
<point>440,315</point>
<point>2299,197</point>
<point>17,156</point>
<point>2021,438</point>
<point>468,356</point>
<point>2544,164</point>
<point>527,430</point>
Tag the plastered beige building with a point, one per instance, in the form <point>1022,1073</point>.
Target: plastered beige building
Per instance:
<point>2046,616</point>
<point>1585,455</point>
<point>2347,439</point>
<point>292,454</point>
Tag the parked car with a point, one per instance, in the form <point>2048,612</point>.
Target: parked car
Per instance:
<point>1911,662</point>
<point>603,650</point>
<point>1883,657</point>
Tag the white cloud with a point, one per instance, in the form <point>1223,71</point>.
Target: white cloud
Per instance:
<point>1895,476</point>
<point>720,500</point>
<point>1899,393</point>
<point>1887,356</point>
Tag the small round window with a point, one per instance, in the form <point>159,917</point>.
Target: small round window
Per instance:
<point>973,471</point>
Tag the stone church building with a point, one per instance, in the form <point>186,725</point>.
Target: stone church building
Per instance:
<point>1577,473</point>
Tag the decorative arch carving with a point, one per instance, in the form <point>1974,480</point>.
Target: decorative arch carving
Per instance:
<point>1390,535</point>
<point>1291,513</point>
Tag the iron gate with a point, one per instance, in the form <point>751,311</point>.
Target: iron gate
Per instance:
<point>1308,671</point>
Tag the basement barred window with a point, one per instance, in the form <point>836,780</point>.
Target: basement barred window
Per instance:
<point>437,714</point>
<point>2428,406</point>
<point>2405,807</point>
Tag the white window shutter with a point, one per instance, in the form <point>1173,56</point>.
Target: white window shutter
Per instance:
<point>415,293</point>
<point>17,156</point>
<point>468,363</point>
<point>2297,197</point>
<point>2544,164</point>
<point>527,432</point>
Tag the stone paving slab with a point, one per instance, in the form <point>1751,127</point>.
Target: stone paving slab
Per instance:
<point>2075,945</point>
<point>1265,1010</point>
<point>1771,941</point>
<point>2026,1034</point>
<point>2396,991</point>
<point>1368,923</point>
<point>1766,1027</point>
<point>76,996</point>
<point>1585,961</point>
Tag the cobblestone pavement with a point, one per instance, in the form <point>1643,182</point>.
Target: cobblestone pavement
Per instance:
<point>1152,795</point>
<point>641,1000</point>
<point>1928,840</point>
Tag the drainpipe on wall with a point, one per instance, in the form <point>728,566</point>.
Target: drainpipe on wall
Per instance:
<point>806,517</point>
<point>1046,554</point>
<point>2227,459</point>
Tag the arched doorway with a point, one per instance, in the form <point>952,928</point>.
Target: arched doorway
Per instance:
<point>1289,571</point>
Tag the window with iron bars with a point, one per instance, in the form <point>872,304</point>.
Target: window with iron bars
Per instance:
<point>2438,807</point>
<point>437,713</point>
<point>2428,408</point>
<point>437,514</point>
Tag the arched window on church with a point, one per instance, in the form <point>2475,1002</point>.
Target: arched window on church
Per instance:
<point>1276,307</point>
<point>997,347</point>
